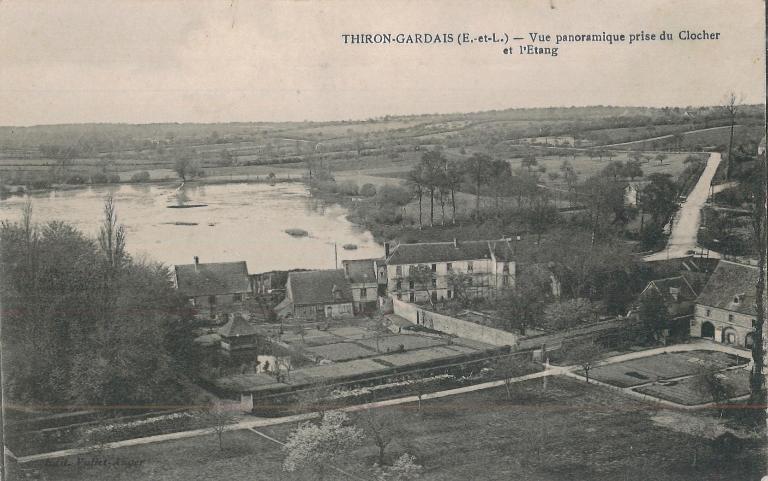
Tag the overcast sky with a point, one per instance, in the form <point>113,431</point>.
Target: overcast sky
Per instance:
<point>140,61</point>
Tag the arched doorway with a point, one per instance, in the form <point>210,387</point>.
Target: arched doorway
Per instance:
<point>707,330</point>
<point>729,336</point>
<point>749,340</point>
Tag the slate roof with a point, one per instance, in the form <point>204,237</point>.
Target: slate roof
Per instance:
<point>317,287</point>
<point>428,252</point>
<point>238,326</point>
<point>685,290</point>
<point>212,278</point>
<point>727,282</point>
<point>360,271</point>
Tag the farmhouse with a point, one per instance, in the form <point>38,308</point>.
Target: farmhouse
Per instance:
<point>317,295</point>
<point>214,290</point>
<point>436,270</point>
<point>725,310</point>
<point>361,275</point>
<point>677,293</point>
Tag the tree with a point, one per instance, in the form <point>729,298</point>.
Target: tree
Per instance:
<point>416,179</point>
<point>460,284</point>
<point>421,275</point>
<point>569,313</point>
<point>585,354</point>
<point>381,426</point>
<point>731,107</point>
<point>653,313</point>
<point>313,446</point>
<point>540,214</point>
<point>219,418</point>
<point>187,168</point>
<point>712,384</point>
<point>631,170</point>
<point>433,168</point>
<point>453,175</point>
<point>403,469</point>
<point>659,196</point>
<point>509,367</point>
<point>523,306</point>
<point>661,158</point>
<point>476,169</point>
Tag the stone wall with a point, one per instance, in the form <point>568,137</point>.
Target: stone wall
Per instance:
<point>451,325</point>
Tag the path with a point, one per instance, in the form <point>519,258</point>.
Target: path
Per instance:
<point>685,224</point>
<point>253,423</point>
<point>663,137</point>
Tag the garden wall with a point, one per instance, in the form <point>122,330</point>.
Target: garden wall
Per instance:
<point>451,325</point>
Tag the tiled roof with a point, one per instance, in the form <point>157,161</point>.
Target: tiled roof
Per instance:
<point>238,326</point>
<point>317,287</point>
<point>212,278</point>
<point>428,252</point>
<point>728,282</point>
<point>360,271</point>
<point>685,291</point>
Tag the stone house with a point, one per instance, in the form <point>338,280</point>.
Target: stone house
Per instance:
<point>317,295</point>
<point>361,274</point>
<point>484,267</point>
<point>215,290</point>
<point>725,310</point>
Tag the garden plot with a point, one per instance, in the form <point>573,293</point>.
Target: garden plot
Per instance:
<point>312,337</point>
<point>663,366</point>
<point>341,351</point>
<point>422,355</point>
<point>689,391</point>
<point>351,332</point>
<point>337,370</point>
<point>409,342</point>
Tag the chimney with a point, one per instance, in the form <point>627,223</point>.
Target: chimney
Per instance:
<point>386,250</point>
<point>197,262</point>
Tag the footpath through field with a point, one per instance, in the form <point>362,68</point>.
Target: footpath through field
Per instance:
<point>251,423</point>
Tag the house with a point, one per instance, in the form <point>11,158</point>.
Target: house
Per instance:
<point>678,295</point>
<point>361,274</point>
<point>319,295</point>
<point>725,310</point>
<point>435,270</point>
<point>238,333</point>
<point>214,290</point>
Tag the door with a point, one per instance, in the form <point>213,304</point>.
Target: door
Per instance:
<point>707,330</point>
<point>328,312</point>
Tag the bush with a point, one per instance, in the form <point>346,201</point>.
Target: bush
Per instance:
<point>368,190</point>
<point>76,180</point>
<point>99,178</point>
<point>142,176</point>
<point>347,188</point>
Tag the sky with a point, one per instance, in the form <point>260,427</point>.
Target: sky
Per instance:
<point>144,61</point>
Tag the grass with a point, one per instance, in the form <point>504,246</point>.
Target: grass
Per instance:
<point>570,431</point>
<point>662,366</point>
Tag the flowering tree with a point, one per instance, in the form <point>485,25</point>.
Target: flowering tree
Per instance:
<point>312,446</point>
<point>403,469</point>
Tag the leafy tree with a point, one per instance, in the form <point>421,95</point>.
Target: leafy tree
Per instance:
<point>659,196</point>
<point>314,446</point>
<point>187,168</point>
<point>421,275</point>
<point>661,158</point>
<point>712,384</point>
<point>653,313</point>
<point>453,177</point>
<point>523,306</point>
<point>731,108</point>
<point>417,181</point>
<point>566,314</point>
<point>460,284</point>
<point>476,168</point>
<point>631,170</point>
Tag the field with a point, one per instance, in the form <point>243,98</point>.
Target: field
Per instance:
<point>570,431</point>
<point>662,366</point>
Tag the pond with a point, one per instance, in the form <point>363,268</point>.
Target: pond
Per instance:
<point>223,222</point>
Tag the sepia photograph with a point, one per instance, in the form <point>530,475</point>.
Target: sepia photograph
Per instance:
<point>337,240</point>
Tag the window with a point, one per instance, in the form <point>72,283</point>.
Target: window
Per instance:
<point>434,267</point>
<point>470,267</point>
<point>398,270</point>
<point>449,267</point>
<point>505,281</point>
<point>709,312</point>
<point>469,281</point>
<point>212,300</point>
<point>410,284</point>
<point>754,323</point>
<point>363,293</point>
<point>730,317</point>
<point>237,297</point>
<point>399,285</point>
<point>505,269</point>
<point>434,282</point>
<point>450,294</point>
<point>412,297</point>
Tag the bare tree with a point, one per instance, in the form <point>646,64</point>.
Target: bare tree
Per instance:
<point>218,417</point>
<point>381,426</point>
<point>731,107</point>
<point>586,355</point>
<point>509,367</point>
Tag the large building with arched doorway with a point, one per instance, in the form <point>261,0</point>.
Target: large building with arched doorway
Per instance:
<point>725,310</point>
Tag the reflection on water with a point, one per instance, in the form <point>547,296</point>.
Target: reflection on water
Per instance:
<point>238,222</point>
